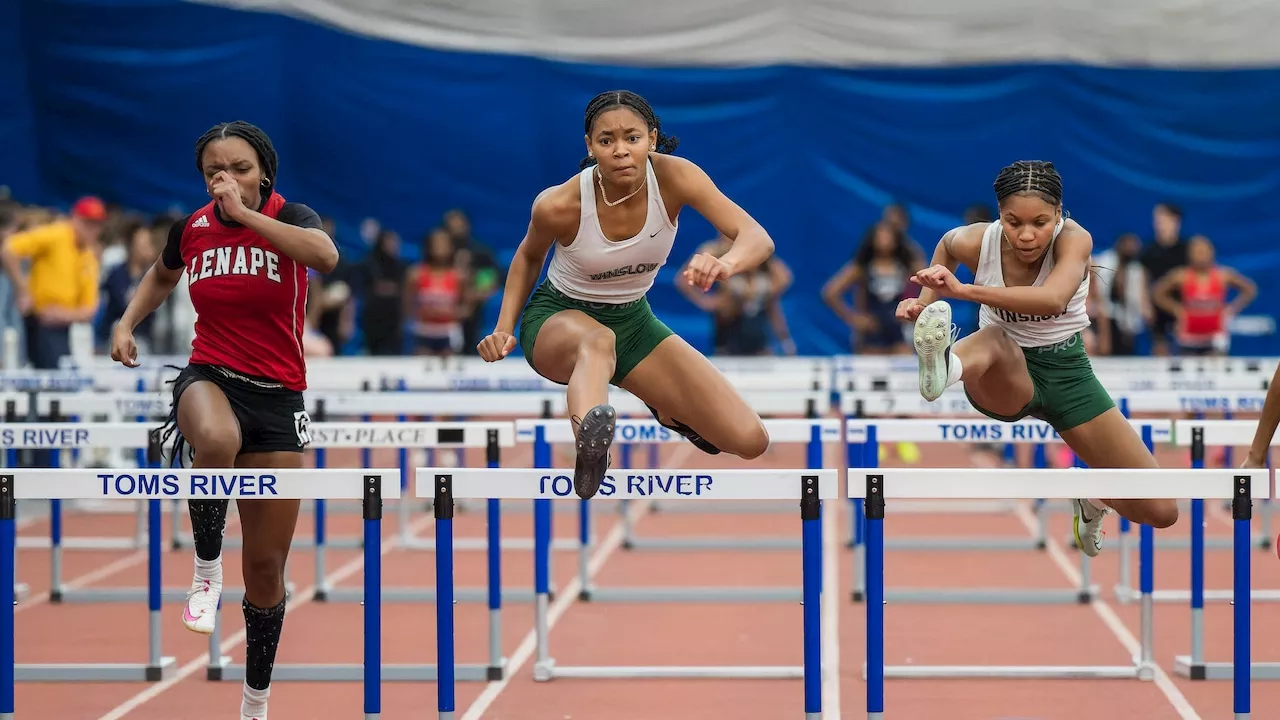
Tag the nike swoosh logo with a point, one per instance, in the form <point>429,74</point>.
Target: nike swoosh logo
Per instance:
<point>186,615</point>
<point>655,233</point>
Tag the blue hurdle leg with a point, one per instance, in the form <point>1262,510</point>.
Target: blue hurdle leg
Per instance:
<point>1242,666</point>
<point>875,597</point>
<point>373,602</point>
<point>811,568</point>
<point>445,660</point>
<point>8,580</point>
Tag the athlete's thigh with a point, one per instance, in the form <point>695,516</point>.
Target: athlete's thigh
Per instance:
<point>267,526</point>
<point>682,384</point>
<point>1109,441</point>
<point>555,350</point>
<point>1005,387</point>
<point>207,421</point>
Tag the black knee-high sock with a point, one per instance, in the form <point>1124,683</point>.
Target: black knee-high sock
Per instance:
<point>208,522</point>
<point>262,637</point>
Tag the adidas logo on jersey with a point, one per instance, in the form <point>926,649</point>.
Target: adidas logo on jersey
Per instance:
<point>201,222</point>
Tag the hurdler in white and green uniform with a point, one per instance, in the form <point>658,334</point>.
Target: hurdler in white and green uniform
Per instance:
<point>1031,278</point>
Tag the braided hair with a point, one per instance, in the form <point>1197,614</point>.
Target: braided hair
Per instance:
<point>614,99</point>
<point>1029,177</point>
<point>252,134</point>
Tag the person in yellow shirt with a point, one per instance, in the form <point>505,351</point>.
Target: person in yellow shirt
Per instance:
<point>61,286</point>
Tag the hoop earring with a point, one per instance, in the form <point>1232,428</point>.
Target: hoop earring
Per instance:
<point>266,182</point>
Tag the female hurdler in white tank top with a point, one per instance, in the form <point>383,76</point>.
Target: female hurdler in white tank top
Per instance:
<point>596,269</point>
<point>1027,330</point>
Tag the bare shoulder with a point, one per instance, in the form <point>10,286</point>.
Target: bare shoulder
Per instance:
<point>964,242</point>
<point>1073,240</point>
<point>677,173</point>
<point>556,209</point>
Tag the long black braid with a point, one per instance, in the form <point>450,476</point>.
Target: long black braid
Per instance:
<point>251,134</point>
<point>613,99</point>
<point>1036,177</point>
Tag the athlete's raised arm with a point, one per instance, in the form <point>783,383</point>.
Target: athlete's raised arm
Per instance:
<point>959,246</point>
<point>751,244</point>
<point>1072,251</point>
<point>551,210</point>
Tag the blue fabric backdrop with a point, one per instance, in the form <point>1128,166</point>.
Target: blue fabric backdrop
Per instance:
<point>109,97</point>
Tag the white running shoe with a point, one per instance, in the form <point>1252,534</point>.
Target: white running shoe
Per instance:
<point>934,335</point>
<point>201,611</point>
<point>1087,526</point>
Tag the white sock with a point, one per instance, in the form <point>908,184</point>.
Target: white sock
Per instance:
<point>954,369</point>
<point>210,570</point>
<point>254,703</point>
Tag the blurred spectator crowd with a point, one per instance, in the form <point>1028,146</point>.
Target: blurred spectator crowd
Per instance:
<point>64,269</point>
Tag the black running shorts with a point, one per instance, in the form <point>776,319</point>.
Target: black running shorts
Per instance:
<point>272,417</point>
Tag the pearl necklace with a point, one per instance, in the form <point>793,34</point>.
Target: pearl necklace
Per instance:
<point>605,198</point>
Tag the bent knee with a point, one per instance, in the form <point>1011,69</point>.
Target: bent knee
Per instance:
<point>600,341</point>
<point>264,573</point>
<point>1163,515</point>
<point>753,442</point>
<point>215,446</point>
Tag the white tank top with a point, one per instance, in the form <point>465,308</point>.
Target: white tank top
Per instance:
<point>593,268</point>
<point>1028,330</point>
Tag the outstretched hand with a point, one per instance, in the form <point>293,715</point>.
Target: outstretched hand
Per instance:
<point>704,269</point>
<point>940,279</point>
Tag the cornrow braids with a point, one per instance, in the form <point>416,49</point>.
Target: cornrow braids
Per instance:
<point>251,134</point>
<point>1037,177</point>
<point>613,99</point>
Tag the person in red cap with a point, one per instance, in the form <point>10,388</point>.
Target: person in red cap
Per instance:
<point>60,285</point>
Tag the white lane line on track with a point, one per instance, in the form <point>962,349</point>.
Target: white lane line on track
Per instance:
<point>1113,622</point>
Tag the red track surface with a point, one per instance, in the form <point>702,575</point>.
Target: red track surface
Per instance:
<point>685,634</point>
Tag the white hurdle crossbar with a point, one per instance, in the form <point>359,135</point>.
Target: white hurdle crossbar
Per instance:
<point>807,487</point>
<point>876,486</point>
<point>1199,434</point>
<point>863,437</point>
<point>369,486</point>
<point>815,433</point>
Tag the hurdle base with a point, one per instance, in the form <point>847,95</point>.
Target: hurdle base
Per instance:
<point>354,672</point>
<point>988,596</point>
<point>43,542</point>
<point>424,595</point>
<point>964,543</point>
<point>1126,595</point>
<point>547,671</point>
<point>712,543</point>
<point>482,544</point>
<point>1183,667</point>
<point>690,594</point>
<point>139,595</point>
<point>1022,672</point>
<point>97,672</point>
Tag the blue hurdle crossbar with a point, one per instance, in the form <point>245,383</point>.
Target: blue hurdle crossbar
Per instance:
<point>809,487</point>
<point>876,486</point>
<point>814,433</point>
<point>154,485</point>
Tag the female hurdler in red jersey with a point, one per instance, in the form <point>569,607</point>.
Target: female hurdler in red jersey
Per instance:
<point>238,403</point>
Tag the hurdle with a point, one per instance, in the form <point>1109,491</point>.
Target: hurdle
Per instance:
<point>815,433</point>
<point>369,486</point>
<point>876,487</point>
<point>809,487</point>
<point>863,437</point>
<point>1199,434</point>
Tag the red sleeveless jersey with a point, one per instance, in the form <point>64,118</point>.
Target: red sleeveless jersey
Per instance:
<point>1204,302</point>
<point>250,299</point>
